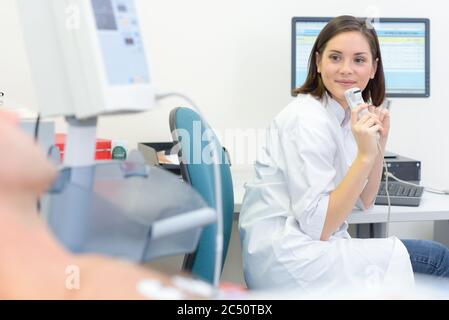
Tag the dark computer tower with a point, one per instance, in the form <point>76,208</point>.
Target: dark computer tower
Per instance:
<point>404,168</point>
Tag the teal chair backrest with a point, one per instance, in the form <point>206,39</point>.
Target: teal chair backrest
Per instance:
<point>197,169</point>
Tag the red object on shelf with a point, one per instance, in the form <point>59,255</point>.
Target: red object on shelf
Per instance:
<point>102,148</point>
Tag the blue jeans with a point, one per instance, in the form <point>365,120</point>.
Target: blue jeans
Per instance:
<point>428,257</point>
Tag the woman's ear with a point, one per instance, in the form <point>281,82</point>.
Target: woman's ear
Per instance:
<point>375,64</point>
<point>318,62</point>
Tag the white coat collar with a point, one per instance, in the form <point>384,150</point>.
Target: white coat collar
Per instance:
<point>343,115</point>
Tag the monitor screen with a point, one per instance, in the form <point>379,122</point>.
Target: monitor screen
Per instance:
<point>120,41</point>
<point>404,45</point>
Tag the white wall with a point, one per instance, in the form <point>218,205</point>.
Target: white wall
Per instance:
<point>233,58</point>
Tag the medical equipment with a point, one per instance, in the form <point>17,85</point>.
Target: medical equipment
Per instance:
<point>87,59</point>
<point>91,54</point>
<point>354,98</point>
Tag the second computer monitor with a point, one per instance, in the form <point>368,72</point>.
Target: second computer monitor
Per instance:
<point>404,47</point>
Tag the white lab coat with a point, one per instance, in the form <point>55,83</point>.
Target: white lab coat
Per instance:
<point>309,150</point>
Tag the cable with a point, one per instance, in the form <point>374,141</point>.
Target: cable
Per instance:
<point>36,127</point>
<point>387,174</point>
<point>36,139</point>
<point>218,195</point>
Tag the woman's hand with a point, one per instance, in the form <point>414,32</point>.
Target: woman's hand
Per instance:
<point>384,117</point>
<point>365,129</point>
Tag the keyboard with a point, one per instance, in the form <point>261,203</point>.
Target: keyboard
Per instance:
<point>400,194</point>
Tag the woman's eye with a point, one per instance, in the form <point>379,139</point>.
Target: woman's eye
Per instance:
<point>334,58</point>
<point>359,60</point>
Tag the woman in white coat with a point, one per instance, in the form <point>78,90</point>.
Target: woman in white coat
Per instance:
<point>320,161</point>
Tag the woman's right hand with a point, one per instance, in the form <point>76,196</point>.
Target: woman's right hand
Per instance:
<point>365,131</point>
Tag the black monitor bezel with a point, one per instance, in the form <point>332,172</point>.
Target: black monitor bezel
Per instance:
<point>426,22</point>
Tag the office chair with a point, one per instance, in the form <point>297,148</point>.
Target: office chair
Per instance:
<point>200,175</point>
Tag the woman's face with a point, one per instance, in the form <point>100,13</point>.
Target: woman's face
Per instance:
<point>346,63</point>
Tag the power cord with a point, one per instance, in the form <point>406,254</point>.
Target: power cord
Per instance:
<point>36,127</point>
<point>36,139</point>
<point>217,187</point>
<point>387,175</point>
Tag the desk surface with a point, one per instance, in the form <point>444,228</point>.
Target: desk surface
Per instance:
<point>432,207</point>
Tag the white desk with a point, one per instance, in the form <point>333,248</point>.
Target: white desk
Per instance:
<point>433,206</point>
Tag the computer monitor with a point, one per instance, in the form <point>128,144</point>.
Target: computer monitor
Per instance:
<point>404,45</point>
<point>86,57</point>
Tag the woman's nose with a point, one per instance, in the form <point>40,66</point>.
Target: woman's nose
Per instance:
<point>346,67</point>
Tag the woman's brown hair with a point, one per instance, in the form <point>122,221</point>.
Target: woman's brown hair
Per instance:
<point>375,90</point>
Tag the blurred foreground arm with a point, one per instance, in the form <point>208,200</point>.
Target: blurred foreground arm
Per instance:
<point>32,264</point>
